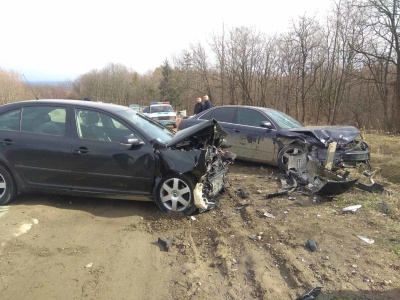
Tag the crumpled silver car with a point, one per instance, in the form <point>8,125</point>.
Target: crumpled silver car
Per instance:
<point>96,149</point>
<point>269,136</point>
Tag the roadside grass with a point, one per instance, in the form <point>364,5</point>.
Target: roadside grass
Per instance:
<point>385,155</point>
<point>385,161</point>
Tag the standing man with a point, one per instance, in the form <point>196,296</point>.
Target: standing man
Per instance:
<point>207,103</point>
<point>198,108</point>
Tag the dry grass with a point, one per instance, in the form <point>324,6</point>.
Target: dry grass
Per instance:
<point>385,155</point>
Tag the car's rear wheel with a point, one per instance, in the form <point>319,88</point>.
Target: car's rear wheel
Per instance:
<point>8,189</point>
<point>175,194</point>
<point>285,152</point>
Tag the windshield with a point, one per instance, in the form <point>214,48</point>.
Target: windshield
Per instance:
<point>147,126</point>
<point>163,108</point>
<point>283,120</point>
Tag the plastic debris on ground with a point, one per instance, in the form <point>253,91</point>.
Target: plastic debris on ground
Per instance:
<point>352,208</point>
<point>365,239</point>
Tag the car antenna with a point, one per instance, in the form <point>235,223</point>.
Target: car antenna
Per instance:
<point>30,87</point>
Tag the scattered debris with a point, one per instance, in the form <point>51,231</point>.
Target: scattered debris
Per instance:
<point>268,215</point>
<point>373,188</point>
<point>166,243</point>
<point>253,237</point>
<point>278,194</point>
<point>311,245</point>
<point>193,218</point>
<point>365,239</point>
<point>89,265</point>
<point>311,294</point>
<point>241,206</point>
<point>352,208</point>
<point>315,173</point>
<point>242,194</point>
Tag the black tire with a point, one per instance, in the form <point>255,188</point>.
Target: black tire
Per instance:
<point>283,155</point>
<point>8,189</point>
<point>175,194</point>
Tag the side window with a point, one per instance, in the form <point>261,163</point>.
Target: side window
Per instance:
<point>249,117</point>
<point>223,114</point>
<point>93,125</point>
<point>44,120</point>
<point>10,120</point>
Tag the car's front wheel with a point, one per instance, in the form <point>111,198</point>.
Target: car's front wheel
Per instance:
<point>175,194</point>
<point>285,152</point>
<point>7,186</point>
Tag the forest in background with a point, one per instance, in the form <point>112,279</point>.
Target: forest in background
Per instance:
<point>340,69</point>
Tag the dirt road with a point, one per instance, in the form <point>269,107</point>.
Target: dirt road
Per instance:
<point>82,248</point>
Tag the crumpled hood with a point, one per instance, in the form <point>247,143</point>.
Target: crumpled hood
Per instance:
<point>326,134</point>
<point>205,133</point>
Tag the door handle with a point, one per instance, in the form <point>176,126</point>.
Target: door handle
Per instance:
<point>236,130</point>
<point>82,150</point>
<point>7,142</point>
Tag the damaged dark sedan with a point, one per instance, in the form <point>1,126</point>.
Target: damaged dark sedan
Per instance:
<point>269,136</point>
<point>86,148</point>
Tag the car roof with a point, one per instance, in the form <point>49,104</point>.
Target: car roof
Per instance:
<point>266,109</point>
<point>89,104</point>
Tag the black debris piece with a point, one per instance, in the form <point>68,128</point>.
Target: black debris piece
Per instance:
<point>166,243</point>
<point>242,194</point>
<point>373,188</point>
<point>311,294</point>
<point>277,194</point>
<point>333,188</point>
<point>311,245</point>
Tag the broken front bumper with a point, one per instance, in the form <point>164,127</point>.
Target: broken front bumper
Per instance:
<point>209,189</point>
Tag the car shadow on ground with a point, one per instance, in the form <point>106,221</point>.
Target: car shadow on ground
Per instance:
<point>109,208</point>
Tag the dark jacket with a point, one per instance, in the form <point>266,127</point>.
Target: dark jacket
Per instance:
<point>198,108</point>
<point>207,105</point>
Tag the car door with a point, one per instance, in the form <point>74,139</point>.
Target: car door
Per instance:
<point>102,163</point>
<point>252,140</point>
<point>35,142</point>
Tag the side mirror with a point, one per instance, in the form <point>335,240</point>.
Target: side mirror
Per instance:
<point>267,124</point>
<point>132,141</point>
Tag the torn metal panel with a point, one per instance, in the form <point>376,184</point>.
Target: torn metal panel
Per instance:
<point>315,178</point>
<point>182,161</point>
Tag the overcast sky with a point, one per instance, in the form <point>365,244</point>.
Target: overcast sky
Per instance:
<point>60,40</point>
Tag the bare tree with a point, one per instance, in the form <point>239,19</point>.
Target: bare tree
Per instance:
<point>379,25</point>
